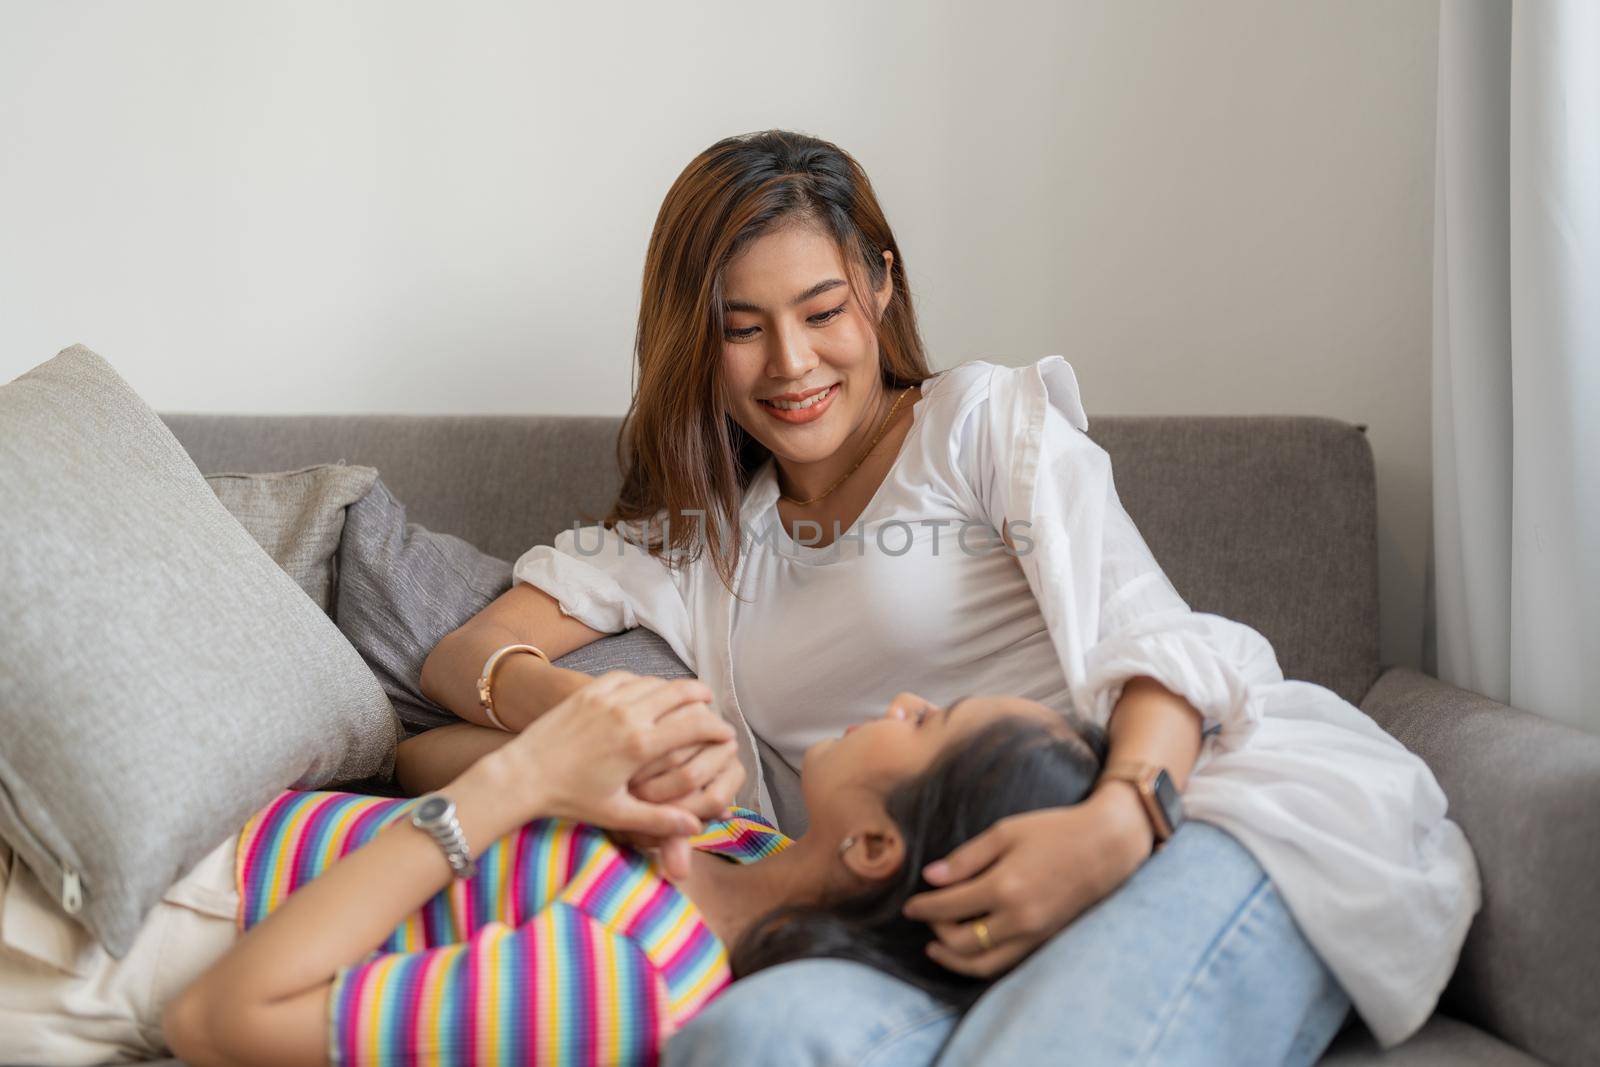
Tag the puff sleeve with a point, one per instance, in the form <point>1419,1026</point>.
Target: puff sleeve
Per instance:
<point>610,584</point>
<point>1111,610</point>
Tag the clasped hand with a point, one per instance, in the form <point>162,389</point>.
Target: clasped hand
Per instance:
<point>644,757</point>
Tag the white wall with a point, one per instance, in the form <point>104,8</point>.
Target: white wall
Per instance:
<point>1218,207</point>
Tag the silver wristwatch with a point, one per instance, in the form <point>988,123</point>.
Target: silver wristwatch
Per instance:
<point>436,817</point>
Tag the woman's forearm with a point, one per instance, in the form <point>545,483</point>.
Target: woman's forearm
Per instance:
<point>1149,724</point>
<point>436,757</point>
<point>242,1003</point>
<point>525,686</point>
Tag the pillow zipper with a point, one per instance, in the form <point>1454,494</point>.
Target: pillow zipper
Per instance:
<point>71,891</point>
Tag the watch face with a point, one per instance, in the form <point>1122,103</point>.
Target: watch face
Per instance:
<point>1167,796</point>
<point>432,809</point>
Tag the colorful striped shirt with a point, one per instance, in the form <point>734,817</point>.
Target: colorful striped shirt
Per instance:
<point>563,947</point>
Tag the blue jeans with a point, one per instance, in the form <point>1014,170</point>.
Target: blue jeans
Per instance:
<point>1195,960</point>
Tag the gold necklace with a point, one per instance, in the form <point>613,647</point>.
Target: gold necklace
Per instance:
<point>881,428</point>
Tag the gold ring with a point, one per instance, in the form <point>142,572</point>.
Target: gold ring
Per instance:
<point>980,930</point>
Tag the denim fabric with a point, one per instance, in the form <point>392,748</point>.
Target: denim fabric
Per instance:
<point>1194,961</point>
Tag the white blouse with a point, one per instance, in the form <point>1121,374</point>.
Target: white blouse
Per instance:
<point>919,593</point>
<point>1346,821</point>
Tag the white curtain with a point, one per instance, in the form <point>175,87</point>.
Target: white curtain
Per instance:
<point>1516,355</point>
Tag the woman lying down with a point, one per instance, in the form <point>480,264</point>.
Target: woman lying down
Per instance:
<point>534,937</point>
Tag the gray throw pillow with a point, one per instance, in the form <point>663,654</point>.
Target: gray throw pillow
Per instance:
<point>297,516</point>
<point>161,678</point>
<point>402,588</point>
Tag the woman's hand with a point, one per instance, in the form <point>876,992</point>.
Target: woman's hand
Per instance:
<point>1030,875</point>
<point>702,779</point>
<point>577,759</point>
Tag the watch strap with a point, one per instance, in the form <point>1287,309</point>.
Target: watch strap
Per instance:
<point>447,833</point>
<point>1142,776</point>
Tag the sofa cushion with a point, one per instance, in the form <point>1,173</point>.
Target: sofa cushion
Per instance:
<point>162,678</point>
<point>1442,1042</point>
<point>403,587</point>
<point>297,516</point>
<point>1526,791</point>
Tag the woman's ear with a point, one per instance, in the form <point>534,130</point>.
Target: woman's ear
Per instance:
<point>887,290</point>
<point>875,851</point>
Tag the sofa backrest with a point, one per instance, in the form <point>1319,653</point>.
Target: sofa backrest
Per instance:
<point>1270,520</point>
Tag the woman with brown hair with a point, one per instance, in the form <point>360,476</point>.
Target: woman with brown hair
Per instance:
<point>815,520</point>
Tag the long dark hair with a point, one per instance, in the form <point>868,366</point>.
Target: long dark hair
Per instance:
<point>1011,766</point>
<point>679,450</point>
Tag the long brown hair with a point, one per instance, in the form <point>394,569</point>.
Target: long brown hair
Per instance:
<point>684,459</point>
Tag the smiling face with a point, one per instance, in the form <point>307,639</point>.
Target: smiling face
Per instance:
<point>800,359</point>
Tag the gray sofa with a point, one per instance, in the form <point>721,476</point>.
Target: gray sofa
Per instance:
<point>1268,520</point>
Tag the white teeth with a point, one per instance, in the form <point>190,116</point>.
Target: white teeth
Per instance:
<point>798,405</point>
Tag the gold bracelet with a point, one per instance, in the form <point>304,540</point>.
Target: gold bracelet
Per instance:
<point>486,680</point>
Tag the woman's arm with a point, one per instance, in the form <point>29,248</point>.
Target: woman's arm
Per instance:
<point>265,1001</point>
<point>430,760</point>
<point>1150,724</point>
<point>703,779</point>
<point>1028,876</point>
<point>525,686</point>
